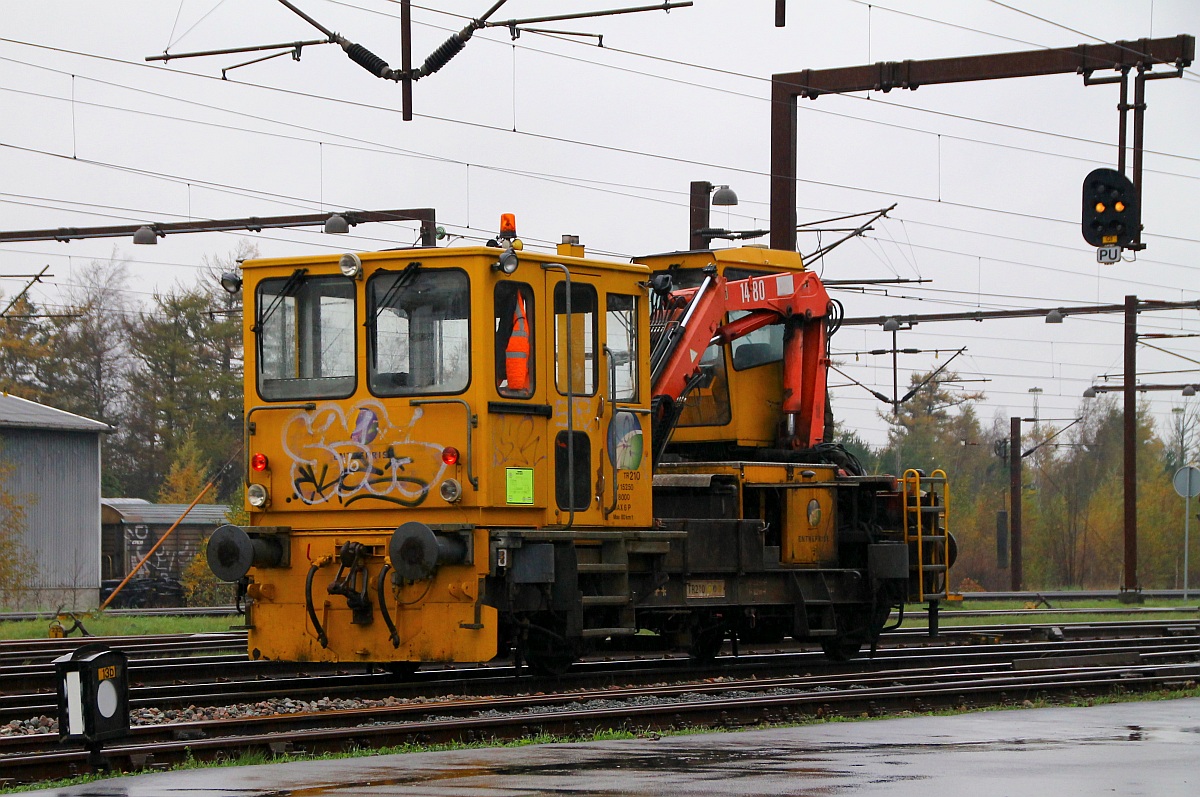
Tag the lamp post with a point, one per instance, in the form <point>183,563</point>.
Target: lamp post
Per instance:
<point>698,209</point>
<point>1181,425</point>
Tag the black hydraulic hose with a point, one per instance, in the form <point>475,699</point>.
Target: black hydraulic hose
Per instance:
<point>394,635</point>
<point>308,603</point>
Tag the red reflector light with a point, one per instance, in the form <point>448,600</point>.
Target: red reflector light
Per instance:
<point>450,455</point>
<point>258,462</point>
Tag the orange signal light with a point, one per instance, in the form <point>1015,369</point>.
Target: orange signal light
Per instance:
<point>1100,208</point>
<point>1119,207</point>
<point>508,225</point>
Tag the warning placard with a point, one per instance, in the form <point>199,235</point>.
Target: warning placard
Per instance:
<point>519,485</point>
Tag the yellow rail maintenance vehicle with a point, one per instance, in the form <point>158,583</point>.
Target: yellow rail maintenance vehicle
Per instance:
<point>455,452</point>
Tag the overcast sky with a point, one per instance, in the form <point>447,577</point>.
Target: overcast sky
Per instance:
<point>602,143</point>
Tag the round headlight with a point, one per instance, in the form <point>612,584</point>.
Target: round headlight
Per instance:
<point>256,494</point>
<point>451,490</point>
<point>507,263</point>
<point>350,265</point>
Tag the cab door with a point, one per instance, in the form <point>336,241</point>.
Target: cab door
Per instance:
<point>579,419</point>
<point>519,412</point>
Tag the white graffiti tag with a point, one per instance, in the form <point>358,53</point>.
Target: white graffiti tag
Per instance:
<point>350,457</point>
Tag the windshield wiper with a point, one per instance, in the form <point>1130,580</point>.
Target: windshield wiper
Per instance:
<point>289,289</point>
<point>393,292</point>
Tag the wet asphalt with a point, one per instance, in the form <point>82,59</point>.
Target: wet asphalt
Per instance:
<point>1129,749</point>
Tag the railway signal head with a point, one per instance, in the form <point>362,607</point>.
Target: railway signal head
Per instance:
<point>1111,211</point>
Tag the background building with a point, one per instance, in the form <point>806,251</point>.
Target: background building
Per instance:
<point>52,470</point>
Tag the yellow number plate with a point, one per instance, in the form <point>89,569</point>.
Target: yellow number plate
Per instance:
<point>706,589</point>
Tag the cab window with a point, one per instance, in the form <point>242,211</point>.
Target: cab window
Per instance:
<point>418,332</point>
<point>577,331</point>
<point>761,346</point>
<point>708,405</point>
<point>305,329</point>
<point>514,340</point>
<point>620,345</point>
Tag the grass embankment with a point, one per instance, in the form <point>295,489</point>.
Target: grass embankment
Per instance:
<point>121,625</point>
<point>952,614</point>
<point>1056,611</point>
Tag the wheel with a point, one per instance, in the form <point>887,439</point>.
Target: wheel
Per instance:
<point>402,669</point>
<point>841,648</point>
<point>552,663</point>
<point>706,644</point>
<point>548,652</point>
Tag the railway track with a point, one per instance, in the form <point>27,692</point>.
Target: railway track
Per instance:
<point>44,651</point>
<point>29,690</point>
<point>730,702</point>
<point>753,688</point>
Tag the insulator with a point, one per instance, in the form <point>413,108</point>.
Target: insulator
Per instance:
<point>367,60</point>
<point>442,55</point>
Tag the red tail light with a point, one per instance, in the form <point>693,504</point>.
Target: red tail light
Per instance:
<point>258,462</point>
<point>450,455</point>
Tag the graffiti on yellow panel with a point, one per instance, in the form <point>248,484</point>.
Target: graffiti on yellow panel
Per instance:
<point>359,454</point>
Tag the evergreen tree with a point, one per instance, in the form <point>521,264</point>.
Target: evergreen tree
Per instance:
<point>85,368</point>
<point>186,378</point>
<point>187,476</point>
<point>22,346</point>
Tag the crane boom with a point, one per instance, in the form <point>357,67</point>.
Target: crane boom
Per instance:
<point>798,301</point>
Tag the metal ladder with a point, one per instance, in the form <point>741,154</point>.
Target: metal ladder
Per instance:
<point>605,584</point>
<point>927,529</point>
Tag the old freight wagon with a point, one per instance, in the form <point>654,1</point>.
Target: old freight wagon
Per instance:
<point>130,529</point>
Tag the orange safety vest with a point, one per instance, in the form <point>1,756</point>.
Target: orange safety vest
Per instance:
<point>516,354</point>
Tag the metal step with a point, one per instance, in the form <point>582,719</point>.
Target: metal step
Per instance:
<point>605,600</point>
<point>600,633</point>
<point>603,567</point>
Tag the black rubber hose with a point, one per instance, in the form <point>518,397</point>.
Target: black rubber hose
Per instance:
<point>312,613</point>
<point>383,609</point>
<point>368,60</point>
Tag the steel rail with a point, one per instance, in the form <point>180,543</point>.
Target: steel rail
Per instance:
<point>964,690</point>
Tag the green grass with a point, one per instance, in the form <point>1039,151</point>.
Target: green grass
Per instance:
<point>1040,613</point>
<point>121,625</point>
<point>1068,603</point>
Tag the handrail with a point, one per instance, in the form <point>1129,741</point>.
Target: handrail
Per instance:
<point>472,422</point>
<point>570,396</point>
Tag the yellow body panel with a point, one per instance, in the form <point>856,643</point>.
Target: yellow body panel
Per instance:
<point>422,612</point>
<point>808,535</point>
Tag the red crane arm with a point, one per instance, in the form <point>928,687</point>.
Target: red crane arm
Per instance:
<point>796,300</point>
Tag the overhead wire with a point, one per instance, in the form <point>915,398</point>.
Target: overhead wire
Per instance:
<point>584,143</point>
<point>840,186</point>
